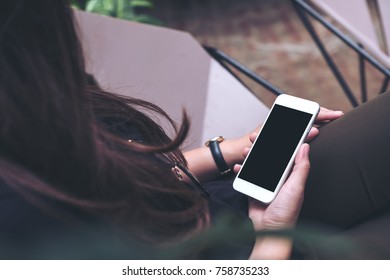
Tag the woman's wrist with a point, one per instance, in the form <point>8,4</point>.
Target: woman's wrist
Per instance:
<point>232,150</point>
<point>272,248</point>
<point>202,164</point>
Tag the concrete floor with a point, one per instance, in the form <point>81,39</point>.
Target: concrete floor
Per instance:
<point>269,38</point>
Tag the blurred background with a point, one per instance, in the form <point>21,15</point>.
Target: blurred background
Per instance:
<point>265,35</point>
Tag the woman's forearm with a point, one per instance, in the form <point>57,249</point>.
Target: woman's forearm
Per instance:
<point>201,162</point>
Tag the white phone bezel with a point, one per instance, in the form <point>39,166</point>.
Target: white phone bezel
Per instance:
<point>259,192</point>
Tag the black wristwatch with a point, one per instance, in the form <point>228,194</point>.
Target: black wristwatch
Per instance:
<point>215,150</point>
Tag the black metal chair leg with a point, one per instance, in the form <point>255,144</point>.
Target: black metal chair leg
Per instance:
<point>385,84</point>
<point>363,81</point>
<point>337,74</point>
<point>223,58</point>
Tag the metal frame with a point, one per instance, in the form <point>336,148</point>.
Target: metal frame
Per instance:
<point>226,61</point>
<point>303,9</point>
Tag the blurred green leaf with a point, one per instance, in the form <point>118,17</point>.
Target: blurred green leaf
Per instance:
<point>230,233</point>
<point>124,9</point>
<point>141,4</point>
<point>91,5</point>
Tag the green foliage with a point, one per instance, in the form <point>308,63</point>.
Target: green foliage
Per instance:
<point>229,232</point>
<point>134,10</point>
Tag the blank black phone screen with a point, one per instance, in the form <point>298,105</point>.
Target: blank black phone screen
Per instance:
<point>274,147</point>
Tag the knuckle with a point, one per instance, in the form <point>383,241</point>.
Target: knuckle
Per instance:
<point>305,165</point>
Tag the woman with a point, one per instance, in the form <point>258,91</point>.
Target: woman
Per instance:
<point>80,166</point>
<point>67,164</point>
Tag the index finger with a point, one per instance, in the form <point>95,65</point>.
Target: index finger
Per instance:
<point>328,115</point>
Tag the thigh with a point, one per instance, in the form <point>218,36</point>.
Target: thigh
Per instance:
<point>350,167</point>
<point>366,241</point>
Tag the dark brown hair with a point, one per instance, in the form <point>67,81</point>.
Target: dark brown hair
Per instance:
<point>55,143</point>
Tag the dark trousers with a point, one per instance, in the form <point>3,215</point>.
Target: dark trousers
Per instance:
<point>348,189</point>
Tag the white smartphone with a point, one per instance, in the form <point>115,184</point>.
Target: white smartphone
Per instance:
<point>272,155</point>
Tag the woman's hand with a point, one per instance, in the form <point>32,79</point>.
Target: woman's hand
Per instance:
<point>282,213</point>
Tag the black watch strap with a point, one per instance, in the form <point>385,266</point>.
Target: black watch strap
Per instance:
<point>216,152</point>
